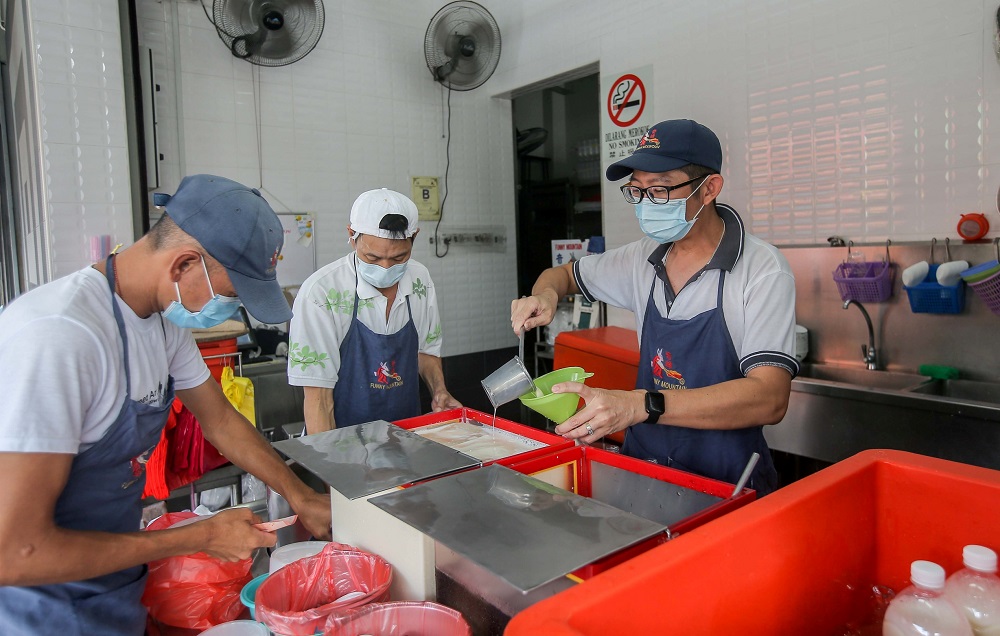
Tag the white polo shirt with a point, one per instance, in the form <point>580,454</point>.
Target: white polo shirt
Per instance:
<point>63,366</point>
<point>758,297</point>
<point>322,316</point>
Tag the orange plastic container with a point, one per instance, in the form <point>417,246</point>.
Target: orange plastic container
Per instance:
<point>218,348</point>
<point>800,561</point>
<point>610,353</point>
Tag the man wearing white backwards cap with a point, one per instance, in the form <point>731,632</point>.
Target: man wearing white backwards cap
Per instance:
<point>366,325</point>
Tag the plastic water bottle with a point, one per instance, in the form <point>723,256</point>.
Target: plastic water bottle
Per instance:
<point>975,590</point>
<point>922,609</point>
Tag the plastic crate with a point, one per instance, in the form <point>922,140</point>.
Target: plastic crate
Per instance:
<point>579,470</point>
<point>799,561</point>
<point>865,282</point>
<point>989,290</point>
<point>931,297</point>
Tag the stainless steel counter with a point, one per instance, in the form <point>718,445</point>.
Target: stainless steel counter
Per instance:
<point>846,412</point>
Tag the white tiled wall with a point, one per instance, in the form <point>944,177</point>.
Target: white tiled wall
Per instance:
<point>82,108</point>
<point>360,111</point>
<point>865,118</point>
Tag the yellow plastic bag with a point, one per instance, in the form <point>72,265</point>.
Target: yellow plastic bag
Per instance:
<point>239,392</point>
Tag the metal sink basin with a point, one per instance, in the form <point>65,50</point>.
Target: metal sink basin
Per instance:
<point>860,377</point>
<point>976,391</point>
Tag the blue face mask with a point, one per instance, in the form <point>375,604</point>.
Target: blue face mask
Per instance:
<point>215,312</point>
<point>666,223</point>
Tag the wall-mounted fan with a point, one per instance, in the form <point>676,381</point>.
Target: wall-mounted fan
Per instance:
<point>269,32</point>
<point>462,45</point>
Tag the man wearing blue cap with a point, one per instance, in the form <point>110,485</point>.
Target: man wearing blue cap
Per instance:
<point>714,309</point>
<point>91,362</point>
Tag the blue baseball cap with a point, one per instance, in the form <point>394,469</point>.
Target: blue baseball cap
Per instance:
<point>239,229</point>
<point>670,145</point>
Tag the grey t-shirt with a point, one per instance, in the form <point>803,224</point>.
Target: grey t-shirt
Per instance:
<point>758,295</point>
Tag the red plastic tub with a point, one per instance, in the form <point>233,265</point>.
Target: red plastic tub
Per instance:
<point>300,597</point>
<point>400,619</point>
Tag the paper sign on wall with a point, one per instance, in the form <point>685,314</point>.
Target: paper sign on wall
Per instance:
<point>568,250</point>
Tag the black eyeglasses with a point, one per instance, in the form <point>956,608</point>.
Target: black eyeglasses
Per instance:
<point>656,194</point>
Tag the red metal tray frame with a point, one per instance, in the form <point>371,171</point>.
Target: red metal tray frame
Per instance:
<point>583,457</point>
<point>555,442</point>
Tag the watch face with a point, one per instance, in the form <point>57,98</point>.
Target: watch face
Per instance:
<point>654,402</point>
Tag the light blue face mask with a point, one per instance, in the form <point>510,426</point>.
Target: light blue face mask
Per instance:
<point>377,276</point>
<point>380,277</point>
<point>215,312</point>
<point>667,222</point>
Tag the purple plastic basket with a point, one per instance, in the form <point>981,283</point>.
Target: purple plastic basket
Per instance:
<point>989,290</point>
<point>865,282</point>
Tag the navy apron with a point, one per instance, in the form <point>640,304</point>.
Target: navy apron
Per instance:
<point>102,493</point>
<point>690,354</point>
<point>378,376</point>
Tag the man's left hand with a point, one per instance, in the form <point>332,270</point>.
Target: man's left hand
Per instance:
<point>314,513</point>
<point>605,412</point>
<point>444,401</point>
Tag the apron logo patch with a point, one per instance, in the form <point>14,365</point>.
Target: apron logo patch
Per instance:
<point>386,376</point>
<point>138,465</point>
<point>664,374</point>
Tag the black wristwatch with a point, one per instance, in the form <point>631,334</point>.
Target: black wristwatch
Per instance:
<point>655,406</point>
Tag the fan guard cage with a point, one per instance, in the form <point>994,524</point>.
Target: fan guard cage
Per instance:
<point>462,45</point>
<point>295,29</point>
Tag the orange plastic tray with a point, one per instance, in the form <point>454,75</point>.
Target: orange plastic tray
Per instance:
<point>800,561</point>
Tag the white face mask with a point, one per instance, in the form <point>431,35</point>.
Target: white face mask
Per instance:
<point>377,276</point>
<point>667,222</point>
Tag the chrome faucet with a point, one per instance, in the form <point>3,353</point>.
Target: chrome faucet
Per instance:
<point>868,353</point>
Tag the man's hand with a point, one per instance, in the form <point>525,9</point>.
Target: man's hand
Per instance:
<point>230,535</point>
<point>443,401</point>
<point>605,412</point>
<point>314,513</point>
<point>533,311</point>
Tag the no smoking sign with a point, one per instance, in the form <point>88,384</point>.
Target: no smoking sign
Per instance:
<point>626,100</point>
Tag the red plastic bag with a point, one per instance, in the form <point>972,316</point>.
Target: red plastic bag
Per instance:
<point>297,599</point>
<point>400,619</point>
<point>194,591</point>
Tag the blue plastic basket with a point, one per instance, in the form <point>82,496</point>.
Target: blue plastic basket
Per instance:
<point>931,297</point>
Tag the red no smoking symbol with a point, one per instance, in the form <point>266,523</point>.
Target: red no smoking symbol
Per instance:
<point>626,100</point>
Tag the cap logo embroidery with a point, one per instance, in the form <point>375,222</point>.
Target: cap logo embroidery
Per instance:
<point>649,140</point>
<point>274,259</point>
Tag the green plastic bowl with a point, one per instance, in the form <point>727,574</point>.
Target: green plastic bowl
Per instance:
<point>557,407</point>
<point>980,272</point>
<point>248,595</point>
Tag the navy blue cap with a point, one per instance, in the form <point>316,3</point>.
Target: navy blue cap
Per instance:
<point>239,229</point>
<point>670,145</point>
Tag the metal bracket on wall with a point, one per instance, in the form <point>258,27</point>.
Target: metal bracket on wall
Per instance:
<point>488,238</point>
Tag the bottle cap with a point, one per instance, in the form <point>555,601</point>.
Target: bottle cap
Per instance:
<point>927,574</point>
<point>979,558</point>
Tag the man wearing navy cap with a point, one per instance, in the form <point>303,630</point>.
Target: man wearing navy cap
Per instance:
<point>714,309</point>
<point>91,362</point>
